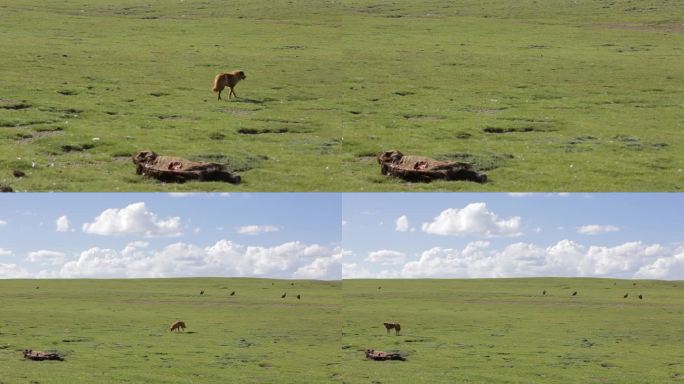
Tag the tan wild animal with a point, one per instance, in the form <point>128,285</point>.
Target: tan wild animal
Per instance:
<point>395,326</point>
<point>177,326</point>
<point>227,79</point>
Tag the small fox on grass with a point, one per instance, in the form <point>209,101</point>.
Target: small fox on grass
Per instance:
<point>178,326</point>
<point>227,79</point>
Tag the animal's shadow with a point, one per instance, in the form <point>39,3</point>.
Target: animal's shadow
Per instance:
<point>252,101</point>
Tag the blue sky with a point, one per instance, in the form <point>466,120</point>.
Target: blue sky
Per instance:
<point>197,220</point>
<point>328,236</point>
<point>618,231</point>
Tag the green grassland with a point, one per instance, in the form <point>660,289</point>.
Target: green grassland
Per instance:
<point>506,331</point>
<point>543,95</point>
<point>116,331</point>
<point>139,76</point>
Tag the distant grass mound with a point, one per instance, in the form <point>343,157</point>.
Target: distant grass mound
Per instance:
<point>116,331</point>
<point>543,95</point>
<point>507,331</point>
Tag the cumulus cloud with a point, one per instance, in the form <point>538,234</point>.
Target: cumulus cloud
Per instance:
<point>565,258</point>
<point>356,271</point>
<point>257,229</point>
<point>323,268</point>
<point>402,224</point>
<point>62,224</point>
<point>134,219</point>
<point>5,252</point>
<point>46,257</point>
<point>473,219</point>
<point>3,222</point>
<point>595,229</point>
<point>386,257</point>
<point>223,258</point>
<point>13,271</point>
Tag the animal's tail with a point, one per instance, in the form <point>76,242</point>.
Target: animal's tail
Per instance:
<point>216,83</point>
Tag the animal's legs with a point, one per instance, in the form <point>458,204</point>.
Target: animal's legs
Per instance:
<point>219,94</point>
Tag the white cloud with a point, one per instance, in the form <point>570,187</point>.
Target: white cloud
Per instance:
<point>325,267</point>
<point>664,267</point>
<point>257,229</point>
<point>135,219</point>
<point>5,252</point>
<point>566,258</point>
<point>46,257</point>
<point>181,194</point>
<point>344,222</point>
<point>402,224</point>
<point>62,224</point>
<point>3,222</point>
<point>224,258</point>
<point>473,219</point>
<point>386,257</point>
<point>356,271</point>
<point>13,271</point>
<point>595,229</point>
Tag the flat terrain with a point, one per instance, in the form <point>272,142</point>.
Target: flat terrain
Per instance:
<point>116,331</point>
<point>506,331</point>
<point>544,96</point>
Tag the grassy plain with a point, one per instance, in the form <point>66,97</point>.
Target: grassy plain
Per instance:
<point>506,331</point>
<point>544,95</point>
<point>116,331</point>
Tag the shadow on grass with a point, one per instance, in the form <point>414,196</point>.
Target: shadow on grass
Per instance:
<point>253,101</point>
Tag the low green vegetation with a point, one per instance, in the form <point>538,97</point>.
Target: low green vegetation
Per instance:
<point>543,95</point>
<point>507,331</point>
<point>117,331</point>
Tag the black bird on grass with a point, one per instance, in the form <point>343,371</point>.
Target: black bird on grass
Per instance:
<point>202,292</point>
<point>625,296</point>
<point>641,297</point>
<point>283,296</point>
<point>17,173</point>
<point>37,287</point>
<point>379,287</point>
<point>232,293</point>
<point>574,293</point>
<point>299,297</point>
<point>544,292</point>
<point>291,283</point>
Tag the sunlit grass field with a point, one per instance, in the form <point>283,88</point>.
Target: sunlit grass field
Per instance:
<point>544,96</point>
<point>116,331</point>
<point>507,331</point>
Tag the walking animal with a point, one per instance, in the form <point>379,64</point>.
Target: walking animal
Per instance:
<point>178,326</point>
<point>395,326</point>
<point>227,79</point>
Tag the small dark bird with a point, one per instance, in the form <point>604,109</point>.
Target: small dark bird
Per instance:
<point>625,296</point>
<point>299,297</point>
<point>17,173</point>
<point>232,293</point>
<point>633,283</point>
<point>574,293</point>
<point>37,287</point>
<point>291,283</point>
<point>379,287</point>
<point>544,292</point>
<point>202,292</point>
<point>641,297</point>
<point>283,296</point>
<point>272,283</point>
